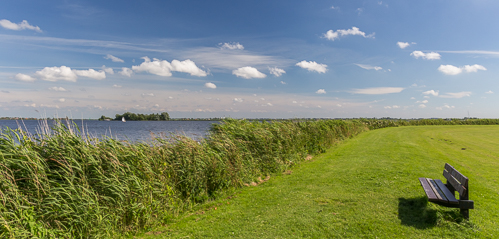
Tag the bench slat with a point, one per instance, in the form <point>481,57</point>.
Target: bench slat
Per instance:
<point>450,197</point>
<point>456,174</point>
<point>438,192</point>
<point>427,189</point>
<point>454,183</point>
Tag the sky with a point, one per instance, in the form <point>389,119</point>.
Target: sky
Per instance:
<point>250,59</point>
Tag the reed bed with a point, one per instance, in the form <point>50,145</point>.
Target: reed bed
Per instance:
<point>61,183</point>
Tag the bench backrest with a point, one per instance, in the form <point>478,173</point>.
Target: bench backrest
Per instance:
<point>457,180</point>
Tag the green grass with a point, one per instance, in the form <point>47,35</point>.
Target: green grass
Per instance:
<point>366,187</point>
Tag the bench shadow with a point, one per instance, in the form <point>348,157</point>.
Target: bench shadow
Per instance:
<point>415,213</point>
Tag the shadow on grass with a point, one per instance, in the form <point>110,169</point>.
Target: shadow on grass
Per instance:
<point>414,212</point>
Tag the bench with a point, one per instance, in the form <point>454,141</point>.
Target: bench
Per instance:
<point>443,194</point>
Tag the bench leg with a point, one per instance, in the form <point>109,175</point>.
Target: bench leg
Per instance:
<point>465,213</point>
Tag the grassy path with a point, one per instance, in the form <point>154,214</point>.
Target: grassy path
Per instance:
<point>366,187</point>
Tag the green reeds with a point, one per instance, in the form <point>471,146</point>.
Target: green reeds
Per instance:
<point>61,183</point>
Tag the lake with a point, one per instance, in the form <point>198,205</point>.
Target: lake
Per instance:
<point>136,131</point>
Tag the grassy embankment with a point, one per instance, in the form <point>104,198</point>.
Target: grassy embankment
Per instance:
<point>63,184</point>
<point>366,187</point>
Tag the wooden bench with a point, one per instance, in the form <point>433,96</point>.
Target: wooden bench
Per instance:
<point>443,194</point>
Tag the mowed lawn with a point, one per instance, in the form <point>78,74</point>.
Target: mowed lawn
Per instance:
<point>365,187</point>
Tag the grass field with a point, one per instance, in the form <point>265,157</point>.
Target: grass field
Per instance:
<point>366,187</point>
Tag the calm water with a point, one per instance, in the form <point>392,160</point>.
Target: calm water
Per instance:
<point>131,130</point>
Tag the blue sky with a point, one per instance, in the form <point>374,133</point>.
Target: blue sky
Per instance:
<point>251,59</point>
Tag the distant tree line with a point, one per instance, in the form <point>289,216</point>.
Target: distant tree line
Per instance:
<point>138,117</point>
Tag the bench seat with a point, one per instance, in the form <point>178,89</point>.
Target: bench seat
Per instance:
<point>438,193</point>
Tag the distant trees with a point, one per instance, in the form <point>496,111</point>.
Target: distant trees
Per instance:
<point>140,117</point>
<point>105,118</point>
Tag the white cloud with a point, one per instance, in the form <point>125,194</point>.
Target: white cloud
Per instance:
<point>283,83</point>
<point>368,67</point>
<point>248,72</point>
<point>276,71</point>
<point>454,70</point>
<point>395,106</point>
<point>164,68</point>
<point>333,35</point>
<point>456,95</point>
<point>55,88</point>
<point>422,106</point>
<point>62,100</point>
<point>450,69</point>
<point>403,45</point>
<point>231,46</point>
<point>377,90</point>
<point>427,56</point>
<point>108,70</point>
<point>147,94</point>
<point>320,91</point>
<point>423,102</point>
<point>23,77</point>
<point>387,107</point>
<point>312,66</point>
<point>474,68</point>
<point>91,73</point>
<point>431,92</point>
<point>126,71</point>
<point>238,100</point>
<point>210,85</point>
<point>18,26</point>
<point>333,7</point>
<point>57,73</point>
<point>445,106</point>
<point>489,92</point>
<point>117,86</point>
<point>187,66</point>
<point>113,58</point>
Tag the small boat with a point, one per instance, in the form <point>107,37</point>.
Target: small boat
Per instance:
<point>123,119</point>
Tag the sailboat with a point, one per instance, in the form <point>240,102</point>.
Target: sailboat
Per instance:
<point>123,119</point>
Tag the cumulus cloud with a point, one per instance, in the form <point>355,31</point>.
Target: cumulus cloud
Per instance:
<point>147,94</point>
<point>276,71</point>
<point>368,67</point>
<point>312,66</point>
<point>431,92</point>
<point>55,88</point>
<point>25,78</point>
<point>18,26</point>
<point>445,106</point>
<point>320,91</point>
<point>377,90</point>
<point>62,100</point>
<point>108,70</point>
<point>239,100</point>
<point>283,83</point>
<point>454,70</point>
<point>422,106</point>
<point>333,35</point>
<point>91,73</point>
<point>231,46</point>
<point>126,72</point>
<point>210,85</point>
<point>489,92</point>
<point>474,68</point>
<point>403,45</point>
<point>165,68</point>
<point>427,56</point>
<point>57,73</point>
<point>456,95</point>
<point>248,72</point>
<point>113,58</point>
<point>423,102</point>
<point>117,86</point>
